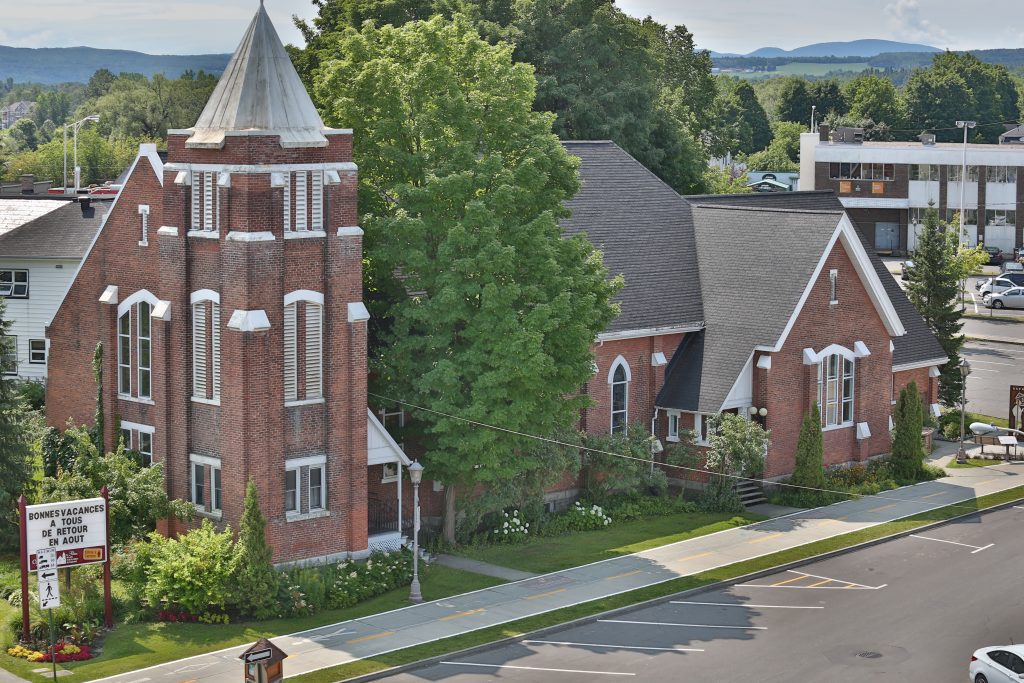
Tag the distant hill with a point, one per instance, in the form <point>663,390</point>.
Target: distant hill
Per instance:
<point>51,65</point>
<point>854,48</point>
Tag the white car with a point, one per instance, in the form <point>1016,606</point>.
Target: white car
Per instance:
<point>1010,298</point>
<point>996,285</point>
<point>999,664</point>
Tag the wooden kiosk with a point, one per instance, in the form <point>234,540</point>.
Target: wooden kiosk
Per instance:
<point>263,662</point>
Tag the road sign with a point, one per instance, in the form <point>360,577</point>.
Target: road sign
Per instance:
<point>46,558</point>
<point>76,530</point>
<point>258,655</point>
<point>49,589</point>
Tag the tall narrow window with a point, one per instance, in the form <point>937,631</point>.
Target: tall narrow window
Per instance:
<point>144,218</point>
<point>37,351</point>
<point>833,277</point>
<point>314,356</point>
<point>199,349</point>
<point>291,380</point>
<point>215,501</point>
<point>620,400</point>
<point>291,490</point>
<point>205,345</point>
<point>208,190</point>
<point>146,448</point>
<point>287,201</point>
<point>847,390</point>
<point>145,359</point>
<point>301,196</point>
<point>197,200</point>
<point>198,483</point>
<point>673,426</point>
<point>303,363</point>
<point>126,438</point>
<point>316,488</point>
<point>835,390</point>
<point>124,353</point>
<point>215,348</point>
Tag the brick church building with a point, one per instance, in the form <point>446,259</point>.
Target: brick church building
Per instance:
<point>225,287</point>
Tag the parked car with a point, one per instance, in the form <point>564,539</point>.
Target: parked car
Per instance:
<point>1000,284</point>
<point>995,255</point>
<point>905,268</point>
<point>999,664</point>
<point>1010,298</point>
<point>1013,267</point>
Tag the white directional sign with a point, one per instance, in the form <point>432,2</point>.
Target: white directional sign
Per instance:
<point>49,589</point>
<point>46,558</point>
<point>76,530</point>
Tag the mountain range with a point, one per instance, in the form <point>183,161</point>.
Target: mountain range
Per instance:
<point>51,65</point>
<point>853,48</point>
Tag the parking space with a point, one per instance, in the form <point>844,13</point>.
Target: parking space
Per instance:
<point>899,610</point>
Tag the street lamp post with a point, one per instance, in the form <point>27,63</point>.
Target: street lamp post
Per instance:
<point>965,369</point>
<point>416,476</point>
<point>74,126</point>
<point>966,125</point>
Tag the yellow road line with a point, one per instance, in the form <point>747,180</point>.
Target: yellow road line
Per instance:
<point>932,495</point>
<point>694,557</point>
<point>544,595</point>
<point>461,614</point>
<point>621,576</point>
<point>371,637</point>
<point>767,538</point>
<point>820,583</point>
<point>831,521</point>
<point>883,507</point>
<point>795,578</point>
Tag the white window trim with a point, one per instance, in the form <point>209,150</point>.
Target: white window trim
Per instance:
<point>136,399</point>
<point>213,489</point>
<point>124,362</point>
<point>389,478</point>
<point>206,401</point>
<point>616,364</point>
<point>323,488</point>
<point>822,389</point>
<point>304,402</point>
<point>833,286</point>
<point>46,353</point>
<point>698,419</point>
<point>201,507</point>
<point>135,426</point>
<point>144,214</point>
<point>306,461</point>
<point>138,354</point>
<point>28,282</point>
<point>672,414</point>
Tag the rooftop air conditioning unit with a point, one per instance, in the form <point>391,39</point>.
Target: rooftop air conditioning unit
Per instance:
<point>927,138</point>
<point>849,136</point>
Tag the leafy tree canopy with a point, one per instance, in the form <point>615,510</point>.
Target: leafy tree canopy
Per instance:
<point>744,120</point>
<point>874,97</point>
<point>14,449</point>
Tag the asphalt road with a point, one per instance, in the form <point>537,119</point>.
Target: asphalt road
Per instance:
<point>994,367</point>
<point>911,609</point>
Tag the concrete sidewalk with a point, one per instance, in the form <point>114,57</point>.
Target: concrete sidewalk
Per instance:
<point>415,625</point>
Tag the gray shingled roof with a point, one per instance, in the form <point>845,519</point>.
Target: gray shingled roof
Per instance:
<point>644,229</point>
<point>918,345</point>
<point>65,232</point>
<point>785,243</point>
<point>15,212</point>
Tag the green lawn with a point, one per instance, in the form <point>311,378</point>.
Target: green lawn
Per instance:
<point>806,69</point>
<point>141,645</point>
<point>543,555</point>
<point>972,462</point>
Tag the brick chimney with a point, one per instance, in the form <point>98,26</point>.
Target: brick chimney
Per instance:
<point>28,183</point>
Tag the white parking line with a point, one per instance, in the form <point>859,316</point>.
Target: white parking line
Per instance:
<point>977,548</point>
<point>536,668</point>
<point>745,604</point>
<point>664,623</point>
<point>618,647</point>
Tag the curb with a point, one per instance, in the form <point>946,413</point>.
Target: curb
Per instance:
<point>996,340</point>
<point>403,668</point>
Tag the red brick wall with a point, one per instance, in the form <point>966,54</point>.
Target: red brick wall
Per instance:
<point>790,387</point>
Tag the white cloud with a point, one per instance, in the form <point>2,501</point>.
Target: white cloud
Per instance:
<point>907,21</point>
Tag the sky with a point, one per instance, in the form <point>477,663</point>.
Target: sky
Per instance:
<point>214,26</point>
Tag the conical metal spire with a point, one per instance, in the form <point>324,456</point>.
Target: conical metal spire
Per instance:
<point>259,93</point>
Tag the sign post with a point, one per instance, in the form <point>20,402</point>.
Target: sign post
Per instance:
<point>1016,417</point>
<point>63,535</point>
<point>49,594</point>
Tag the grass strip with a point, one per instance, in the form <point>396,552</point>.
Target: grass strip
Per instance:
<point>522,627</point>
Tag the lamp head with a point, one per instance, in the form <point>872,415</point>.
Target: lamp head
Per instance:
<point>416,472</point>
<point>965,368</point>
<point>762,412</point>
<point>982,429</point>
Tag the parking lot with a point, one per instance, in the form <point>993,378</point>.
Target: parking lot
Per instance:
<point>911,609</point>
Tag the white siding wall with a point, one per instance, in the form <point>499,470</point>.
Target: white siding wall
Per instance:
<point>923,191</point>
<point>48,279</point>
<point>970,195</point>
<point>1001,196</point>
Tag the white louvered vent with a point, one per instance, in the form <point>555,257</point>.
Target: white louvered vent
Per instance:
<point>301,222</point>
<point>318,200</point>
<point>199,349</point>
<point>208,200</point>
<point>215,347</point>
<point>291,385</point>
<point>287,203</point>
<point>197,193</point>
<point>314,348</point>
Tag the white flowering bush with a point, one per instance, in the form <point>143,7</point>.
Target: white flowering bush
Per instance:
<point>358,581</point>
<point>579,517</point>
<point>511,528</point>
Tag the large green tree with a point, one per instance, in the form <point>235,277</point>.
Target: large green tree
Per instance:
<point>794,101</point>
<point>488,311</point>
<point>256,582</point>
<point>744,119</point>
<point>933,286</point>
<point>907,457</point>
<point>809,469</point>
<point>874,97</point>
<point>828,97</point>
<point>738,447</point>
<point>14,450</point>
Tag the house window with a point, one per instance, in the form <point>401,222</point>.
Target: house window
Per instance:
<point>835,391</point>
<point>673,426</point>
<point>145,360</point>
<point>198,483</point>
<point>316,488</point>
<point>146,448</point>
<point>394,423</point>
<point>205,196</point>
<point>14,284</point>
<point>924,172</point>
<point>215,502</point>
<point>291,490</point>
<point>1001,174</point>
<point>305,309</point>
<point>390,472</point>
<point>144,216</point>
<point>308,211</point>
<point>701,428</point>
<point>1000,217</point>
<point>206,346</point>
<point>8,355</point>
<point>833,277</point>
<point>620,399</point>
<point>126,438</point>
<point>124,353</point>
<point>954,173</point>
<point>37,351</point>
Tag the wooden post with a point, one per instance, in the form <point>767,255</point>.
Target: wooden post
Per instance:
<point>24,567</point>
<point>108,604</point>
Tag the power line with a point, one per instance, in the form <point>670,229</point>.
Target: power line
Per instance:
<point>737,477</point>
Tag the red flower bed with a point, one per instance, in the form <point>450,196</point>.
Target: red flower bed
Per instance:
<point>66,654</point>
<point>172,616</point>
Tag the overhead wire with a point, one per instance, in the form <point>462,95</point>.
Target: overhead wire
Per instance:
<point>736,477</point>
